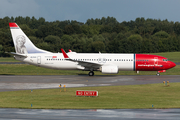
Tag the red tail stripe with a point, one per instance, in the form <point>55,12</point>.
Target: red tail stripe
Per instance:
<point>13,25</point>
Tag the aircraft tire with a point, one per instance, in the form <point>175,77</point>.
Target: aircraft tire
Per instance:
<point>91,73</point>
<point>158,74</point>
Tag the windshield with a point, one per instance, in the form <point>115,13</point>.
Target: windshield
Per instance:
<point>165,59</point>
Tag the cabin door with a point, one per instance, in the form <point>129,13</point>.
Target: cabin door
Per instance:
<point>155,61</point>
<point>39,60</point>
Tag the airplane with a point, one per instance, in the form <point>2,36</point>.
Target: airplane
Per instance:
<point>106,63</point>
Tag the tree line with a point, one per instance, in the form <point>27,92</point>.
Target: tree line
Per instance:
<point>106,35</point>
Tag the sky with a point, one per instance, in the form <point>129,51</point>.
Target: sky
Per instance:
<point>82,10</point>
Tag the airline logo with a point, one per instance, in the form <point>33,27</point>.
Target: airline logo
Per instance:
<point>54,56</point>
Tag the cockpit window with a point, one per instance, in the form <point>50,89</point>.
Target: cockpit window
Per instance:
<point>165,59</point>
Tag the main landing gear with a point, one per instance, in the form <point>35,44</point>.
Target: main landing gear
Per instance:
<point>91,73</point>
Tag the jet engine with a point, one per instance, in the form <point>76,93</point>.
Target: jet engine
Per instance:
<point>109,69</point>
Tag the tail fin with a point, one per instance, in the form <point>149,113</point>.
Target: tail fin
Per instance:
<point>22,43</point>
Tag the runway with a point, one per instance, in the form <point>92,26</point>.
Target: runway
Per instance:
<point>99,114</point>
<point>11,82</point>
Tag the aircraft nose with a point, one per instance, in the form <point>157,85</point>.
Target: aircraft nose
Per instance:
<point>172,64</point>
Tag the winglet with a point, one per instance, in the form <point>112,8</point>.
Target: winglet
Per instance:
<point>64,53</point>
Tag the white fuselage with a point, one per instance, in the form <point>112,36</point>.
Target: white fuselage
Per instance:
<point>57,61</point>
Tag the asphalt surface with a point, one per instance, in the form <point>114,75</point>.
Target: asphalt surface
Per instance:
<point>99,114</point>
<point>11,82</point>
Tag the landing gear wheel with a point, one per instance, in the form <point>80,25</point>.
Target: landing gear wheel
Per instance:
<point>158,74</point>
<point>91,73</point>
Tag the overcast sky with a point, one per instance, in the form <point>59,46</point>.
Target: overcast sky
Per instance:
<point>81,10</point>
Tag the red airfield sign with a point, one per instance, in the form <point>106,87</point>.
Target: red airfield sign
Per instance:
<point>86,93</point>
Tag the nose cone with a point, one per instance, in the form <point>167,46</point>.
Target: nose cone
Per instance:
<point>172,64</point>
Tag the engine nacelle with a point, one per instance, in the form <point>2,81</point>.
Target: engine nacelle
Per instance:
<point>109,69</point>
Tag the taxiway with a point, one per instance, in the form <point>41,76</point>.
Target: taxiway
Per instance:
<point>11,82</point>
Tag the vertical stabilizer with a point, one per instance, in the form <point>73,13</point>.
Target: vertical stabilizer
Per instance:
<point>22,43</point>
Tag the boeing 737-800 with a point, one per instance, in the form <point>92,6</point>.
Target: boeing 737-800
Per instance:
<point>27,52</point>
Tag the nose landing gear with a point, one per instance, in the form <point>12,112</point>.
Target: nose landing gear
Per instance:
<point>158,74</point>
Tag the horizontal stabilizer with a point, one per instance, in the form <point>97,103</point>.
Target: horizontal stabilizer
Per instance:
<point>17,54</point>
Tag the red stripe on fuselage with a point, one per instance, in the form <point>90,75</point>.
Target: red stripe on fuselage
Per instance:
<point>146,62</point>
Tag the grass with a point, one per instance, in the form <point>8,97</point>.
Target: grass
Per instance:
<point>8,59</point>
<point>24,69</point>
<point>110,97</point>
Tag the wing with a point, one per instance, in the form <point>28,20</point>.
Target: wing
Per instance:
<point>82,63</point>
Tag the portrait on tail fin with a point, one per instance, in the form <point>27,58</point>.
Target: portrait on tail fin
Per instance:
<point>20,45</point>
